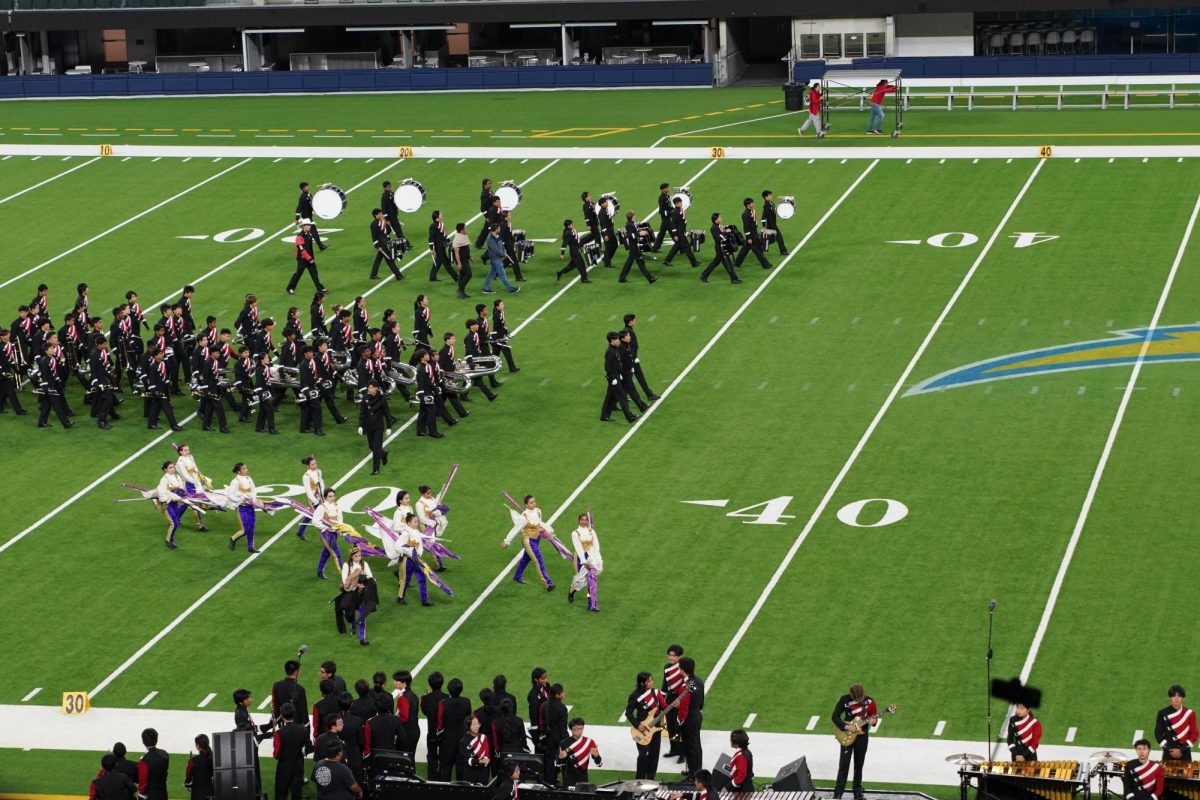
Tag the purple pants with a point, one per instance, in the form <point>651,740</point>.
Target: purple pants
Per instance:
<point>175,512</point>
<point>330,539</point>
<point>411,569</point>
<point>533,551</point>
<point>430,531</point>
<point>248,519</point>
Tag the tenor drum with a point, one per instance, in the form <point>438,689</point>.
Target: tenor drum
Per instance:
<point>614,204</point>
<point>684,194</point>
<point>329,201</point>
<point>786,208</point>
<point>509,194</point>
<point>518,234</point>
<point>695,238</point>
<point>591,253</point>
<point>410,196</point>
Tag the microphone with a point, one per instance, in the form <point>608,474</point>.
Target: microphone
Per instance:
<point>992,605</point>
<point>304,648</point>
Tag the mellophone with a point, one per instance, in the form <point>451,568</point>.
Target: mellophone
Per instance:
<point>1027,780</point>
<point>1180,779</point>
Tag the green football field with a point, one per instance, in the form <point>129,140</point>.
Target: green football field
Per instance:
<point>868,485</point>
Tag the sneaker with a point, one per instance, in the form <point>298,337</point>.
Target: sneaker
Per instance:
<point>487,291</point>
<point>514,290</point>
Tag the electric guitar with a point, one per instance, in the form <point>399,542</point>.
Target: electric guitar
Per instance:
<point>857,726</point>
<point>654,725</point>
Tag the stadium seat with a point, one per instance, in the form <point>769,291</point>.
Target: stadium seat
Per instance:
<point>1069,38</point>
<point>1087,40</point>
<point>1033,43</point>
<point>1016,42</point>
<point>1053,42</point>
<point>996,44</point>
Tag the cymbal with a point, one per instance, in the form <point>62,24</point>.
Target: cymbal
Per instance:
<point>638,786</point>
<point>1108,755</point>
<point>964,759</point>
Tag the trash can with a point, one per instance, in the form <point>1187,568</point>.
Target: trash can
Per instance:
<point>793,96</point>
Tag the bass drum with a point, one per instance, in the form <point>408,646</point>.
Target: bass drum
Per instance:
<point>410,196</point>
<point>329,202</point>
<point>509,194</point>
<point>684,194</point>
<point>786,208</point>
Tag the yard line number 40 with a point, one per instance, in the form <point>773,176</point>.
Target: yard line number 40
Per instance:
<point>873,512</point>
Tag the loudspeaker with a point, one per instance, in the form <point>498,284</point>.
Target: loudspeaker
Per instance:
<point>721,773</point>
<point>793,777</point>
<point>233,750</point>
<point>531,765</point>
<point>234,784</point>
<point>393,762</point>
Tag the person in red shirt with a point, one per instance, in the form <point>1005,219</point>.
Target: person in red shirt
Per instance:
<point>741,762</point>
<point>1024,734</point>
<point>814,110</point>
<point>875,122</point>
<point>1143,777</point>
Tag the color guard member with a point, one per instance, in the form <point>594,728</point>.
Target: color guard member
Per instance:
<point>531,532</point>
<point>588,562</point>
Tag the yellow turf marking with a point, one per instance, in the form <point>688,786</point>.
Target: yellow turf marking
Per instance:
<point>106,129</point>
<point>650,125</point>
<point>77,129</point>
<point>191,130</point>
<point>734,109</point>
<point>306,130</point>
<point>481,130</point>
<point>570,133</point>
<point>221,130</point>
<point>668,121</point>
<point>714,113</point>
<point>248,130</point>
<point>453,130</point>
<point>47,129</point>
<point>29,129</point>
<point>364,130</point>
<point>422,130</point>
<point>335,130</point>
<point>277,130</point>
<point>506,130</point>
<point>393,130</point>
<point>135,129</point>
<point>756,105</point>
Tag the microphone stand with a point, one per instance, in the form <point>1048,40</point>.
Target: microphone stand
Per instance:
<point>988,689</point>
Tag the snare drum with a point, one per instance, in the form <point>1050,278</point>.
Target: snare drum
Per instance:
<point>591,252</point>
<point>695,238</point>
<point>684,194</point>
<point>786,208</point>
<point>768,236</point>
<point>644,231</point>
<point>329,201</point>
<point>410,196</point>
<point>509,194</point>
<point>614,205</point>
<point>518,234</point>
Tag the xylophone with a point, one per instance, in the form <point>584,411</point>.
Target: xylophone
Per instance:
<point>1027,780</point>
<point>1181,779</point>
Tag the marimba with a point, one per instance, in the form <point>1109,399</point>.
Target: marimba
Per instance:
<point>1026,780</point>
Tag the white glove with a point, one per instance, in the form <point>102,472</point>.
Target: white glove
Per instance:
<point>614,383</point>
<point>360,431</point>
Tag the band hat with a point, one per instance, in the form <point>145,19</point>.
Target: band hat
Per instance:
<point>306,222</point>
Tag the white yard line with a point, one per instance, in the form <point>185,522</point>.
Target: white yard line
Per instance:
<point>31,695</point>
<point>49,180</point>
<point>726,125</point>
<point>897,388</point>
<point>641,421</point>
<point>146,700</point>
<point>120,225</point>
<point>1098,473</point>
<point>264,547</point>
<point>208,699</point>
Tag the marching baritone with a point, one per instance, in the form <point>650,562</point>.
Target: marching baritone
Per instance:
<point>242,492</point>
<point>722,247</point>
<point>211,392</point>
<point>588,562</point>
<point>381,238</point>
<point>445,363</point>
<point>614,394</point>
<point>305,258</point>
<point>262,389</point>
<point>158,390</point>
<point>311,419</point>
<point>304,211</point>
<point>427,396</point>
<point>633,244</point>
<point>476,348</point>
<point>531,534</point>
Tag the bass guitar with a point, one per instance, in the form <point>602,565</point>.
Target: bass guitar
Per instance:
<point>655,725</point>
<point>857,726</point>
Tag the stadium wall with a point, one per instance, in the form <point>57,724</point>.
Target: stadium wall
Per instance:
<point>1014,66</point>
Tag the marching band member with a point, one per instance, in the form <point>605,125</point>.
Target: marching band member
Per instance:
<point>771,220</point>
<point>856,703</point>
<point>644,704</point>
<point>1143,777</point>
<point>373,423</point>
<point>574,753</point>
<point>243,493</point>
<point>572,242</point>
<point>304,211</point>
<point>381,238</point>
<point>211,391</point>
<point>313,484</point>
<point>741,762</point>
<point>305,258</point>
<point>485,339</point>
<point>167,498</point>
<point>316,314</point>
<point>266,404</point>
<point>247,319</point>
<point>486,200</point>
<point>614,392</point>
<point>422,329</point>
<point>500,332</point>
<point>460,246</point>
<point>387,203</point>
<point>664,215</point>
<point>411,550</point>
<point>243,378</point>
<point>679,235</point>
<point>442,393</point>
<point>327,515</point>
<point>103,381</point>
<point>476,347</point>
<point>193,479</point>
<point>1024,733</point>
<point>292,322</point>
<point>438,244</point>
<point>311,418</point>
<point>588,562</point>
<point>632,347</point>
<point>633,244</point>
<point>751,243</point>
<point>427,395</point>
<point>625,352</point>
<point>158,390</point>
<point>10,371</point>
<point>354,603</point>
<point>50,387</point>
<point>429,516</point>
<point>474,753</point>
<point>1176,728</point>
<point>720,235</point>
<point>531,531</point>
<point>605,217</point>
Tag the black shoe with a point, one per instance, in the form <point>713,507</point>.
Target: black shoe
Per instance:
<point>632,418</point>
<point>113,415</point>
<point>437,435</point>
<point>736,281</point>
<point>363,642</point>
<point>68,425</point>
<point>104,425</point>
<point>374,277</point>
<point>550,588</point>
<point>656,397</point>
<point>375,471</point>
<point>433,280</point>
<point>385,455</point>
<point>703,279</point>
<point>606,419</point>
<point>451,422</point>
<point>427,604</point>
<point>515,369</point>
<point>321,576</point>
<point>225,430</point>
<point>666,263</point>
<point>584,280</point>
<point>339,420</point>
<point>319,433</point>
<point>461,295</point>
<point>148,427</point>
<point>653,280</point>
<point>571,596</point>
<point>232,544</point>
<point>323,246</point>
<point>496,384</point>
<point>171,545</point>
<point>253,550</point>
<point>207,428</point>
<point>558,277</point>
<point>439,569</point>
<point>401,601</point>
<point>177,428</point>
<point>272,431</point>
<point>243,419</point>
<point>202,527</point>
<point>21,412</point>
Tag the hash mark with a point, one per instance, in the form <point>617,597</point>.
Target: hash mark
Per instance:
<point>204,703</point>
<point>692,318</point>
<point>148,698</point>
<point>1024,322</point>
<point>814,320</point>
<point>897,321</point>
<point>586,383</point>
<point>1082,389</point>
<point>762,386</point>
<point>988,389</point>
<point>749,720</point>
<point>1066,322</point>
<point>1175,392</point>
<point>941,726</point>
<point>651,318</point>
<point>855,320</point>
<point>1034,390</point>
<point>544,382</point>
<point>1108,324</point>
<point>31,695</point>
<point>851,387</point>
<point>718,384</point>
<point>1138,734</point>
<point>1070,735</point>
<point>812,723</point>
<point>773,320</point>
<point>982,320</point>
<point>265,703</point>
<point>572,318</point>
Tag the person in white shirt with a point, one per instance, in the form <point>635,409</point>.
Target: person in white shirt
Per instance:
<point>327,515</point>
<point>432,521</point>
<point>313,488</point>
<point>242,492</point>
<point>167,499</point>
<point>588,562</point>
<point>411,549</point>
<point>531,532</point>
<point>355,601</point>
<point>193,480</point>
